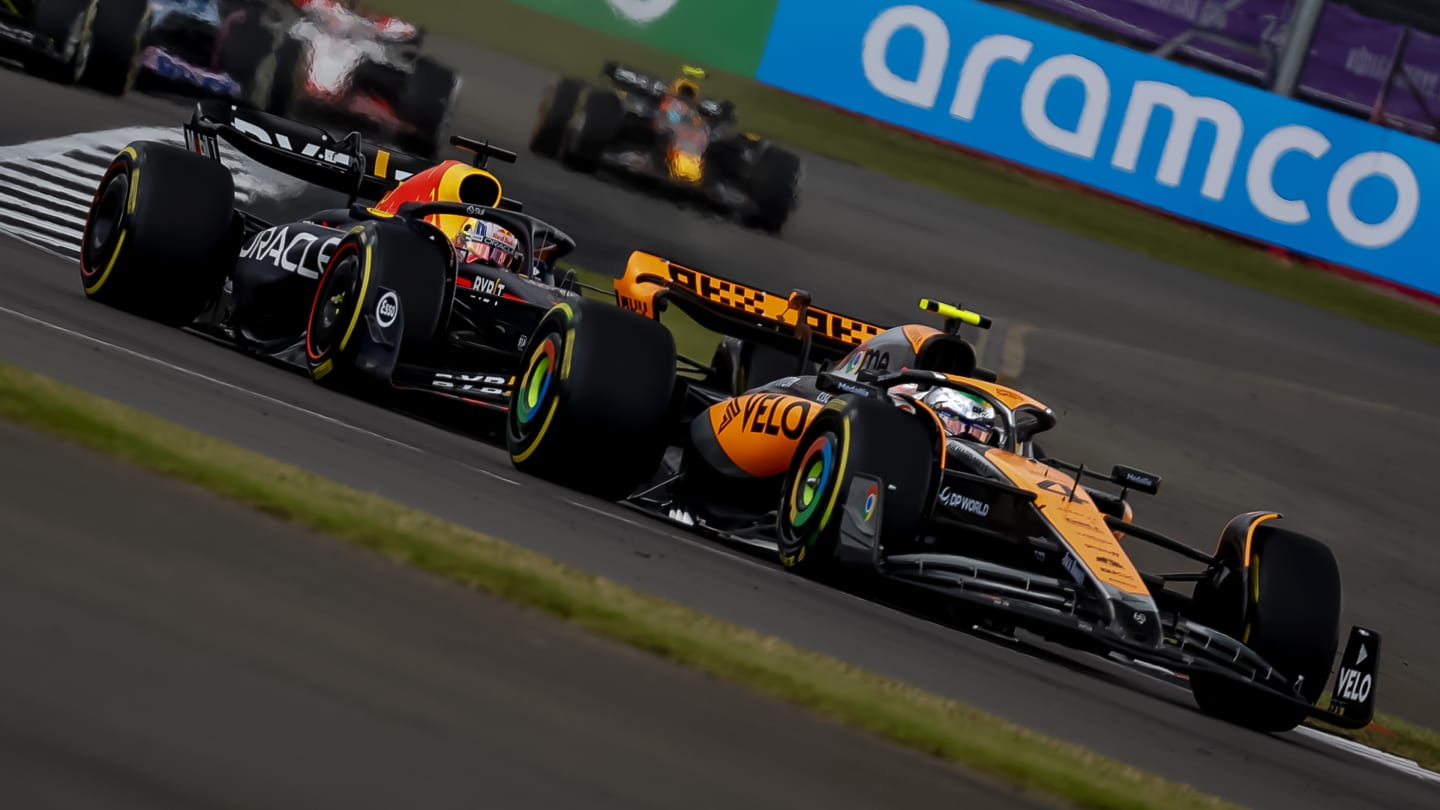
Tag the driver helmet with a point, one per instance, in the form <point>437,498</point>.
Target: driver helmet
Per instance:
<point>964,415</point>
<point>481,241</point>
<point>686,89</point>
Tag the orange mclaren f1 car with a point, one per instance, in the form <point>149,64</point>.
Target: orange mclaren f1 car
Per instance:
<point>840,444</point>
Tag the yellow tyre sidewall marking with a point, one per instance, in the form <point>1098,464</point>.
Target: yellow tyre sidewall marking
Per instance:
<point>360,301</point>
<point>129,211</point>
<point>114,256</point>
<point>565,356</point>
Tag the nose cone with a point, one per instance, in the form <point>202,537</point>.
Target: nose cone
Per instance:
<point>1137,620</point>
<point>685,166</point>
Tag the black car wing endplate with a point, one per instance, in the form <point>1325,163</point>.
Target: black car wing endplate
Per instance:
<point>348,165</point>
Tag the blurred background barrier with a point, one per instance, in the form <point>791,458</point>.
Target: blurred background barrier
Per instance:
<point>1176,105</point>
<point>1377,59</point>
<point>727,35</point>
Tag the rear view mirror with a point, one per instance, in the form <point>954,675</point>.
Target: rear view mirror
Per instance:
<point>1139,480</point>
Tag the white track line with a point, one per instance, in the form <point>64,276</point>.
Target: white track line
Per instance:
<point>27,235</point>
<point>71,167</point>
<point>1408,766</point>
<point>707,547</point>
<point>74,232</point>
<point>1012,354</point>
<point>28,178</point>
<point>330,420</point>
<point>76,209</point>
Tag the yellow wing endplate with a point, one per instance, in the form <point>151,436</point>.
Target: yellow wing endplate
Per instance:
<point>954,313</point>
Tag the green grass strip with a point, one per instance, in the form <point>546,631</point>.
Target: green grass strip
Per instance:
<point>889,708</point>
<point>567,48</point>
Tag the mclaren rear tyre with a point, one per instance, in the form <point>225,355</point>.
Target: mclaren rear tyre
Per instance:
<point>114,62</point>
<point>774,188</point>
<point>71,22</point>
<point>850,437</point>
<point>428,102</point>
<point>742,365</point>
<point>161,233</point>
<point>382,293</point>
<point>556,110</point>
<point>1291,618</point>
<point>593,402</point>
<point>600,120</point>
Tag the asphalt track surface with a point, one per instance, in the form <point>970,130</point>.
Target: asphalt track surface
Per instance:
<point>1240,400</point>
<point>161,637</point>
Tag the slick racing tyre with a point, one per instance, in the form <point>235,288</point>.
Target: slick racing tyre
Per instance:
<point>556,110</point>
<point>250,54</point>
<point>1291,618</point>
<point>289,78</point>
<point>742,365</point>
<point>850,437</point>
<point>383,291</point>
<point>161,233</point>
<point>591,406</point>
<point>585,140</point>
<point>774,188</point>
<point>71,22</point>
<point>428,102</point>
<point>114,62</point>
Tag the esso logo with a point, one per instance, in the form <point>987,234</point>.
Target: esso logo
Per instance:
<point>387,310</point>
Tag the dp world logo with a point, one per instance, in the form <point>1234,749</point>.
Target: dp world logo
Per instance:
<point>642,11</point>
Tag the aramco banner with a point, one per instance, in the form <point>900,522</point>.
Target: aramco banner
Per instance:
<point>1197,145</point>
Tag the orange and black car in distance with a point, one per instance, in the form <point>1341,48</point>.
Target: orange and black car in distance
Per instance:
<point>671,138</point>
<point>808,434</point>
<point>373,298</point>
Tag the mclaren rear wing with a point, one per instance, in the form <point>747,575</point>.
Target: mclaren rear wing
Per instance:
<point>787,322</point>
<point>362,170</point>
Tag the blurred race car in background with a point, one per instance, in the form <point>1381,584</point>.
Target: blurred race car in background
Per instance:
<point>648,129</point>
<point>324,62</point>
<point>94,42</point>
<point>343,67</point>
<point>214,48</point>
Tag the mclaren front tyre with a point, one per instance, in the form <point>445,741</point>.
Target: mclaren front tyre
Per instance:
<point>1284,603</point>
<point>850,437</point>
